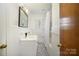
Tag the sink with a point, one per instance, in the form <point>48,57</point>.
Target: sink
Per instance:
<point>30,37</point>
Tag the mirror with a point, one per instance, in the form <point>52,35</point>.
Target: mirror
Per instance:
<point>23,18</point>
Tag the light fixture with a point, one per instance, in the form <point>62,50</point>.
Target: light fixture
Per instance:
<point>26,9</point>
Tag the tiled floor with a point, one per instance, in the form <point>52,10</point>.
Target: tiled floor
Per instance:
<point>41,50</point>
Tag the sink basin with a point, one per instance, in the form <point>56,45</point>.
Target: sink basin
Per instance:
<point>30,37</point>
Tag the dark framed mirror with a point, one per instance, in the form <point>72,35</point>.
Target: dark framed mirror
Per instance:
<point>23,18</point>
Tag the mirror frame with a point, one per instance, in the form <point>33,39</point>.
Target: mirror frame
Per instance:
<point>19,21</point>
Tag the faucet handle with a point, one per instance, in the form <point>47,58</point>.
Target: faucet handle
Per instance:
<point>25,34</point>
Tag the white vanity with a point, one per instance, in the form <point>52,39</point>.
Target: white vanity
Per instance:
<point>28,46</point>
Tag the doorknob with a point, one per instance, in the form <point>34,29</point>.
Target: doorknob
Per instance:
<point>3,46</point>
<point>59,45</point>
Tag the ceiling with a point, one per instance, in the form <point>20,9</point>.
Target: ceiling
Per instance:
<point>37,7</point>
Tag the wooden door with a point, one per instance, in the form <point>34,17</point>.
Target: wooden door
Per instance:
<point>69,29</point>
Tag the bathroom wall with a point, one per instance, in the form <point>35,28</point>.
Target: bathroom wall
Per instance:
<point>52,48</point>
<point>34,20</point>
<point>55,29</point>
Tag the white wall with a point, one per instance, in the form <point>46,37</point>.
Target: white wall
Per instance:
<point>53,49</point>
